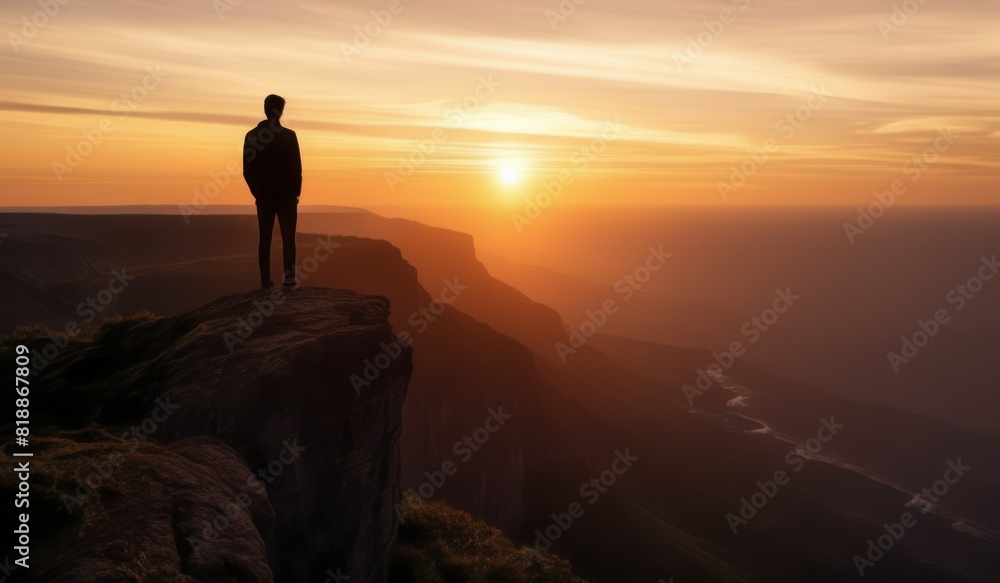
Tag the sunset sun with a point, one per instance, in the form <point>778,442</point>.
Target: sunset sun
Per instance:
<point>510,172</point>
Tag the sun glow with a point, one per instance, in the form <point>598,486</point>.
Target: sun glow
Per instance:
<point>510,172</point>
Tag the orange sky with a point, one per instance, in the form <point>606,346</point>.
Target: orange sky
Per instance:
<point>623,102</point>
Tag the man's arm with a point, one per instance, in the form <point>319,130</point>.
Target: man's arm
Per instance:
<point>295,165</point>
<point>249,167</point>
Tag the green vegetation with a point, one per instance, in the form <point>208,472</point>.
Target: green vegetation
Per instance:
<point>439,544</point>
<point>85,333</point>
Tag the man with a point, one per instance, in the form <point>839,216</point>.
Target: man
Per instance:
<point>272,167</point>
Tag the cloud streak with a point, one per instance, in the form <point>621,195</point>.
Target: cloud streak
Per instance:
<point>606,60</point>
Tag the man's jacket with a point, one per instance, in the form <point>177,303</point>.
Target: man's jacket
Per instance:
<point>272,165</point>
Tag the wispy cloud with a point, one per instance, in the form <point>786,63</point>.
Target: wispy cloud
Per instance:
<point>608,59</point>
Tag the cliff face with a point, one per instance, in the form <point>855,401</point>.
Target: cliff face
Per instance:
<point>107,510</point>
<point>229,440</point>
<point>462,368</point>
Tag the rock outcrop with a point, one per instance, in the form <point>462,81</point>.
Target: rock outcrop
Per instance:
<point>224,444</point>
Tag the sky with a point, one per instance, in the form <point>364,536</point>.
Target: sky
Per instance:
<point>503,104</point>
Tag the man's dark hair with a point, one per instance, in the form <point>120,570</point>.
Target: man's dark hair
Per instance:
<point>274,106</point>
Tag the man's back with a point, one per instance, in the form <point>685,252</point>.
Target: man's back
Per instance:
<point>272,167</point>
<point>272,164</point>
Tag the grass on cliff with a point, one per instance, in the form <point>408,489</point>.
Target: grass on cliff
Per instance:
<point>439,544</point>
<point>85,333</point>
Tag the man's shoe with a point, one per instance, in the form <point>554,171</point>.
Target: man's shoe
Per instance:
<point>267,284</point>
<point>290,284</point>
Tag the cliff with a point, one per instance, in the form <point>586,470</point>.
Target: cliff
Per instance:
<point>462,368</point>
<point>224,444</point>
<point>472,356</point>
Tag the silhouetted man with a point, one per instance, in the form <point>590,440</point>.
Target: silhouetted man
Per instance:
<point>272,167</point>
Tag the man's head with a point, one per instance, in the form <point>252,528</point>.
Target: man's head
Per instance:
<point>274,106</point>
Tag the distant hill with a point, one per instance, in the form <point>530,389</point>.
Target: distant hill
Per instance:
<point>493,348</point>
